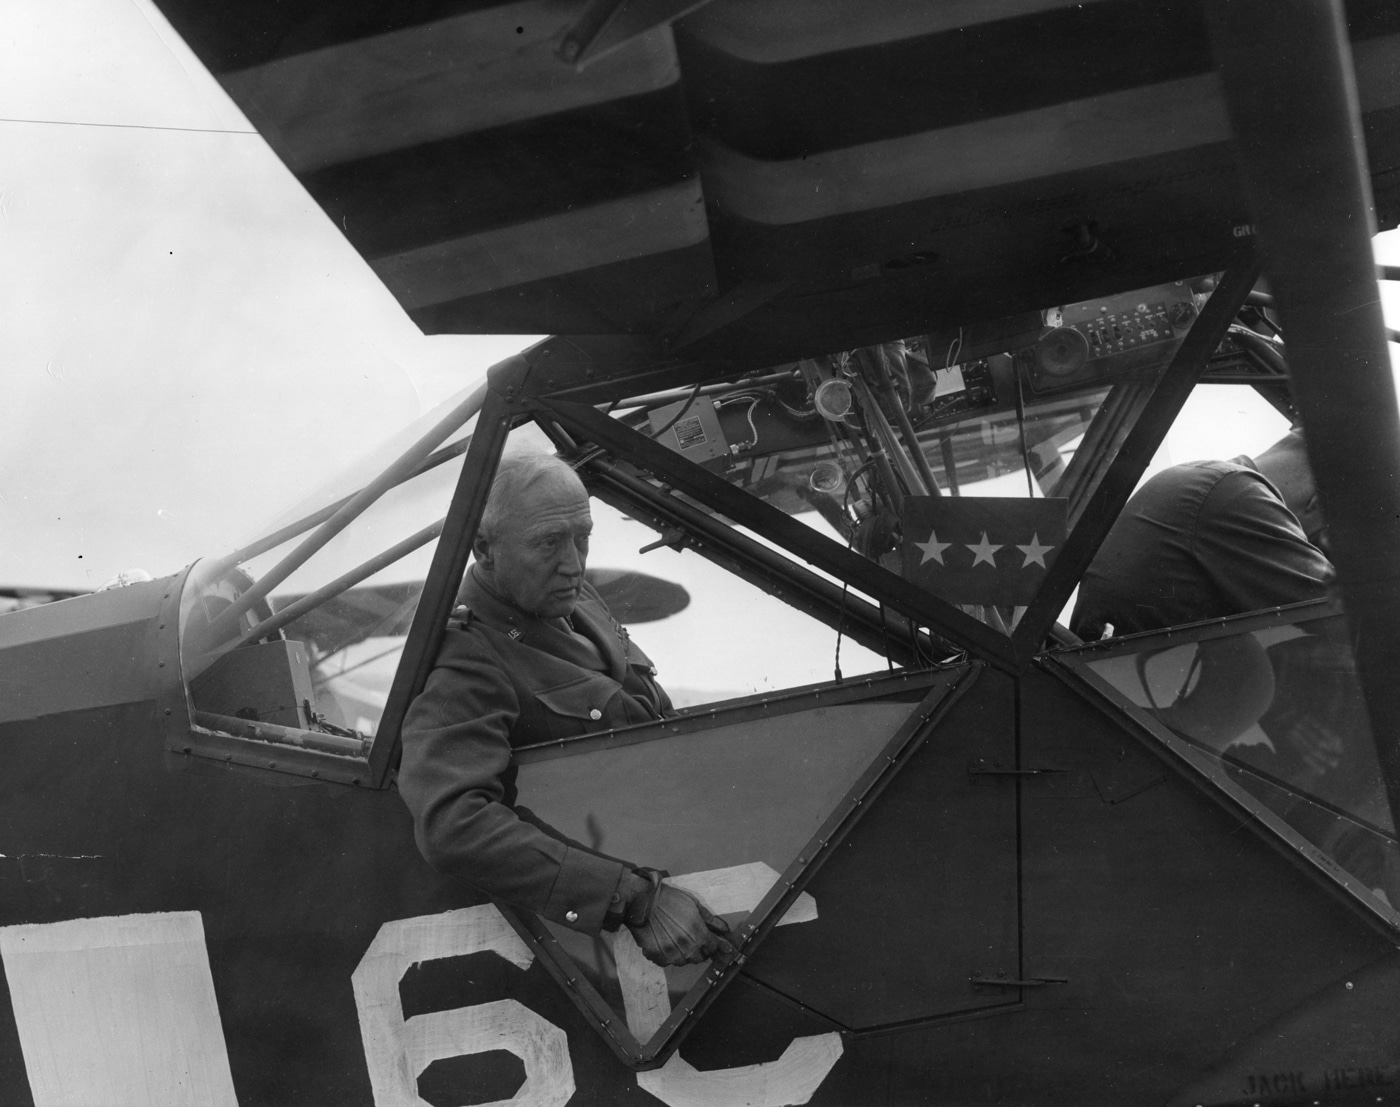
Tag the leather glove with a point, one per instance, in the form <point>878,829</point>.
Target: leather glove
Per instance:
<point>673,927</point>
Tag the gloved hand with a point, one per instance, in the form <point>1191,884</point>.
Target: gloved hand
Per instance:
<point>675,928</point>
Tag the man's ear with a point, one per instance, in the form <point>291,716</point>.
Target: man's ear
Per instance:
<point>481,548</point>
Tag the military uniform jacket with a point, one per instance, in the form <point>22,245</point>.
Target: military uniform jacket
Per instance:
<point>505,679</point>
<point>1201,540</point>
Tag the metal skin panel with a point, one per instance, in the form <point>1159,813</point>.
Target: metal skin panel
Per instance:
<point>1340,1045</point>
<point>922,894</point>
<point>1178,930</point>
<point>88,652</point>
<point>1179,927</point>
<point>292,880</point>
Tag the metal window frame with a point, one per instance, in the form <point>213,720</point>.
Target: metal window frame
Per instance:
<point>425,633</point>
<point>742,509</point>
<point>946,687</point>
<point>879,629</point>
<point>513,394</point>
<point>359,762</point>
<point>1156,412</point>
<point>1137,433</point>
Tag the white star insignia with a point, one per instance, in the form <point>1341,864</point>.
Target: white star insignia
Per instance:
<point>1035,552</point>
<point>983,551</point>
<point>933,548</point>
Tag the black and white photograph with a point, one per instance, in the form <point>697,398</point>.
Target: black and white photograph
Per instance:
<point>714,553</point>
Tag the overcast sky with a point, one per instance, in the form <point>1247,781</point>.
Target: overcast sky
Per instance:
<point>185,339</point>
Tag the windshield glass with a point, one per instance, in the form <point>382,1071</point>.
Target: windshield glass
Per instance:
<point>1268,708</point>
<point>959,461</point>
<point>323,596</point>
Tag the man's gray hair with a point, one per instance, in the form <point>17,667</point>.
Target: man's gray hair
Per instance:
<point>515,474</point>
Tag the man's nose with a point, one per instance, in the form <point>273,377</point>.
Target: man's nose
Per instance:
<point>571,561</point>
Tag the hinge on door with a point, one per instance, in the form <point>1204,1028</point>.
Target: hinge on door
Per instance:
<point>979,766</point>
<point>1003,979</point>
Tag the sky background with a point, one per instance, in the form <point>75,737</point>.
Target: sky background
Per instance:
<point>186,342</point>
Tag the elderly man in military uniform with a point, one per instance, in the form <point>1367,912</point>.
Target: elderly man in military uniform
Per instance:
<point>532,654</point>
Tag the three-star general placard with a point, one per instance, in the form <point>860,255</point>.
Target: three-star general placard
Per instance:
<point>970,549</point>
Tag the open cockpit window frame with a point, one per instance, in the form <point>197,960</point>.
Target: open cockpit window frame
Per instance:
<point>235,646</point>
<point>925,698</point>
<point>1125,435</point>
<point>570,387</point>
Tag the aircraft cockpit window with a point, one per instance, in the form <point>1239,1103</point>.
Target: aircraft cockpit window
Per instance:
<point>1268,708</point>
<point>289,644</point>
<point>929,483</point>
<point>958,461</point>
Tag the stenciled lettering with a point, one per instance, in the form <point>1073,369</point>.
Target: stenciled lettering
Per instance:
<point>1275,1083</point>
<point>1381,1076</point>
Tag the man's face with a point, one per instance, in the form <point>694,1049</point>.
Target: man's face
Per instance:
<point>537,559</point>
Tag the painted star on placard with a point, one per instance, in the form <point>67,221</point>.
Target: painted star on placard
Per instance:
<point>983,551</point>
<point>1035,552</point>
<point>933,548</point>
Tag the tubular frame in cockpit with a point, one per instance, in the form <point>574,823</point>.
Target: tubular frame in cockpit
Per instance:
<point>570,388</point>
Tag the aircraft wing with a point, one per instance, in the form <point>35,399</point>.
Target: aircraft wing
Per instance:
<point>386,610</point>
<point>758,176</point>
<point>18,598</point>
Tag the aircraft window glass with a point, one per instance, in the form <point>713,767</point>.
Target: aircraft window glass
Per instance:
<point>1270,709</point>
<point>770,782</point>
<point>293,638</point>
<point>960,460</point>
<point>712,635</point>
<point>309,664</point>
<point>726,638</point>
<point>1217,421</point>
